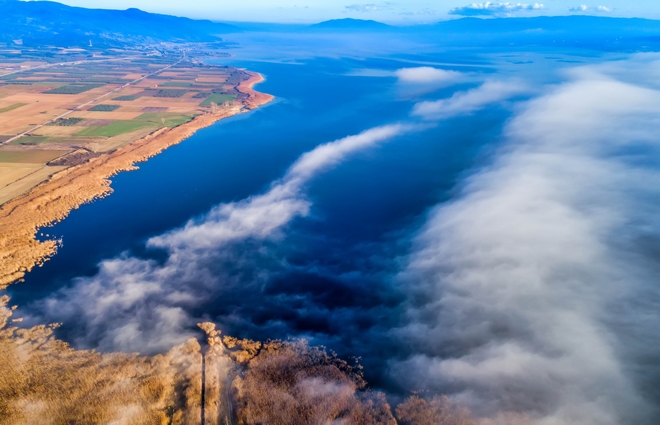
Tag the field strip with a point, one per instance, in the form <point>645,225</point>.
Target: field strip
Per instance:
<point>51,65</point>
<point>79,107</point>
<point>27,182</point>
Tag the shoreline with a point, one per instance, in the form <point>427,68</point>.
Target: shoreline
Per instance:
<point>52,201</point>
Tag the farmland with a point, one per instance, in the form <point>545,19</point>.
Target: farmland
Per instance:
<point>218,99</point>
<point>49,111</point>
<point>12,107</point>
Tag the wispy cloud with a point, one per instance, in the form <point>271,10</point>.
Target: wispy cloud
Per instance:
<point>585,8</point>
<point>495,9</point>
<point>428,75</point>
<point>462,103</point>
<point>136,304</point>
<point>368,7</point>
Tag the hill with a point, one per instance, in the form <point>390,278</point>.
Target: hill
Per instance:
<point>45,22</point>
<point>349,24</point>
<point>592,32</point>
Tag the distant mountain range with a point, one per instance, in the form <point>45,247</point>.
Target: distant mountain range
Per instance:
<point>547,24</point>
<point>51,23</point>
<point>600,33</point>
<point>45,22</point>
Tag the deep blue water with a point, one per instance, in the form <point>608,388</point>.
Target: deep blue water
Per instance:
<point>375,193</point>
<point>363,213</point>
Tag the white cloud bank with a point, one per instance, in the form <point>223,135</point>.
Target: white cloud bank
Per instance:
<point>463,103</point>
<point>495,9</point>
<point>536,290</point>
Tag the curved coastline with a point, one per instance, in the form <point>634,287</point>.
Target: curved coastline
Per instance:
<point>53,200</point>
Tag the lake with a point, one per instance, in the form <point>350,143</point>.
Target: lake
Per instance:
<point>328,276</point>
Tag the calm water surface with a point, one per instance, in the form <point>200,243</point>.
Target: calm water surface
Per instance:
<point>362,210</point>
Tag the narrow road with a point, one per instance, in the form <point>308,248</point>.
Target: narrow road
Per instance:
<point>79,107</point>
<point>203,418</point>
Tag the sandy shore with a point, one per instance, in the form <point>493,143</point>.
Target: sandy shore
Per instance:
<point>256,99</point>
<point>52,200</point>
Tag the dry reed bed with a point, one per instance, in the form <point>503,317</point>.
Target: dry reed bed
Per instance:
<point>44,381</point>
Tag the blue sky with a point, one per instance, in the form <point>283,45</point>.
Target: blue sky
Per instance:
<point>393,11</point>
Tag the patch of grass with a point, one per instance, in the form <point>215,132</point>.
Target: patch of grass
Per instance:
<point>170,93</point>
<point>12,107</point>
<point>114,129</point>
<point>164,119</point>
<point>104,108</point>
<point>176,84</point>
<point>66,122</point>
<point>218,99</point>
<point>73,89</point>
<point>155,120</point>
<point>126,98</point>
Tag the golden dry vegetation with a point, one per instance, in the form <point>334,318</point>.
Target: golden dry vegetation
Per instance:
<point>44,381</point>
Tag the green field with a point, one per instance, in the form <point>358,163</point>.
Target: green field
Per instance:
<point>73,89</point>
<point>154,120</point>
<point>104,108</point>
<point>218,99</point>
<point>12,107</point>
<point>175,84</point>
<point>126,98</point>
<point>114,129</point>
<point>164,119</point>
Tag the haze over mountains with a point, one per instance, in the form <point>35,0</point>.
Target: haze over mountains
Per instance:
<point>45,22</point>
